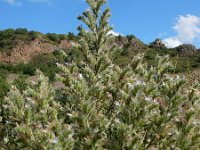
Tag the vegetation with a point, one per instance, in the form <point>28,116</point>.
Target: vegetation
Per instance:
<point>3,87</point>
<point>104,106</point>
<point>130,44</point>
<point>56,38</point>
<point>9,38</point>
<point>20,83</point>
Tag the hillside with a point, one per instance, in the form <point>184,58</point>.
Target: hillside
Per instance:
<point>21,45</point>
<point>23,51</point>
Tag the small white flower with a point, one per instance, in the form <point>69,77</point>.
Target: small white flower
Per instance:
<point>130,85</point>
<point>32,102</point>
<point>195,122</point>
<point>72,43</point>
<point>148,140</point>
<point>155,102</point>
<point>44,131</point>
<point>170,133</point>
<point>68,127</point>
<point>117,103</point>
<point>148,98</point>
<point>177,120</point>
<point>87,9</point>
<point>96,130</point>
<point>57,64</point>
<point>169,114</point>
<point>27,106</point>
<point>192,109</point>
<point>138,82</point>
<point>29,99</point>
<point>5,106</point>
<point>70,136</point>
<point>54,141</point>
<point>173,146</point>
<point>155,112</point>
<point>117,120</point>
<point>5,140</point>
<point>42,111</point>
<point>69,114</point>
<point>80,76</point>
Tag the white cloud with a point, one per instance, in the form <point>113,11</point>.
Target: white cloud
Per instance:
<point>187,29</point>
<point>13,2</point>
<point>114,33</point>
<point>19,2</point>
<point>172,42</point>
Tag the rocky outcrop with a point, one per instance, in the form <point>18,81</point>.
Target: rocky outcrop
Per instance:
<point>186,50</point>
<point>64,45</point>
<point>131,43</point>
<point>24,52</point>
<point>157,44</point>
<point>120,41</point>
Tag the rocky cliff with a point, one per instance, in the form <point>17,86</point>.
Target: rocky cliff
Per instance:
<point>24,52</point>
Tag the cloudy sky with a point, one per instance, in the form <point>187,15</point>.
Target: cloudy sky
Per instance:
<point>174,21</point>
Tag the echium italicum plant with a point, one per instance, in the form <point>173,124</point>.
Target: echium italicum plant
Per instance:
<point>32,120</point>
<point>130,107</point>
<point>104,106</point>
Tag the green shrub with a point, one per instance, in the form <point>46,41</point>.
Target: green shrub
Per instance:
<point>53,37</point>
<point>20,83</point>
<point>72,37</point>
<point>3,87</point>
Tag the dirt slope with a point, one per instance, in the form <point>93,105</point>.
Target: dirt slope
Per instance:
<point>25,52</point>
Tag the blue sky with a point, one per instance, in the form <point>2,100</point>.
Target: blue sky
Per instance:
<point>174,21</point>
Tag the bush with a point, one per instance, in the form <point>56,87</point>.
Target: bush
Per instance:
<point>72,37</point>
<point>53,37</point>
<point>3,87</point>
<point>20,83</point>
<point>56,37</point>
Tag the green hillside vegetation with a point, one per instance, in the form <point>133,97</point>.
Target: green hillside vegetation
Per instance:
<point>46,62</point>
<point>43,62</point>
<point>9,38</point>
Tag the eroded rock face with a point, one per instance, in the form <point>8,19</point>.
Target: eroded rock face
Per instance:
<point>120,41</point>
<point>25,52</point>
<point>64,44</point>
<point>186,49</point>
<point>158,44</point>
<point>132,43</point>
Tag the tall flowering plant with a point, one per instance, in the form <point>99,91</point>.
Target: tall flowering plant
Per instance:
<point>104,106</point>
